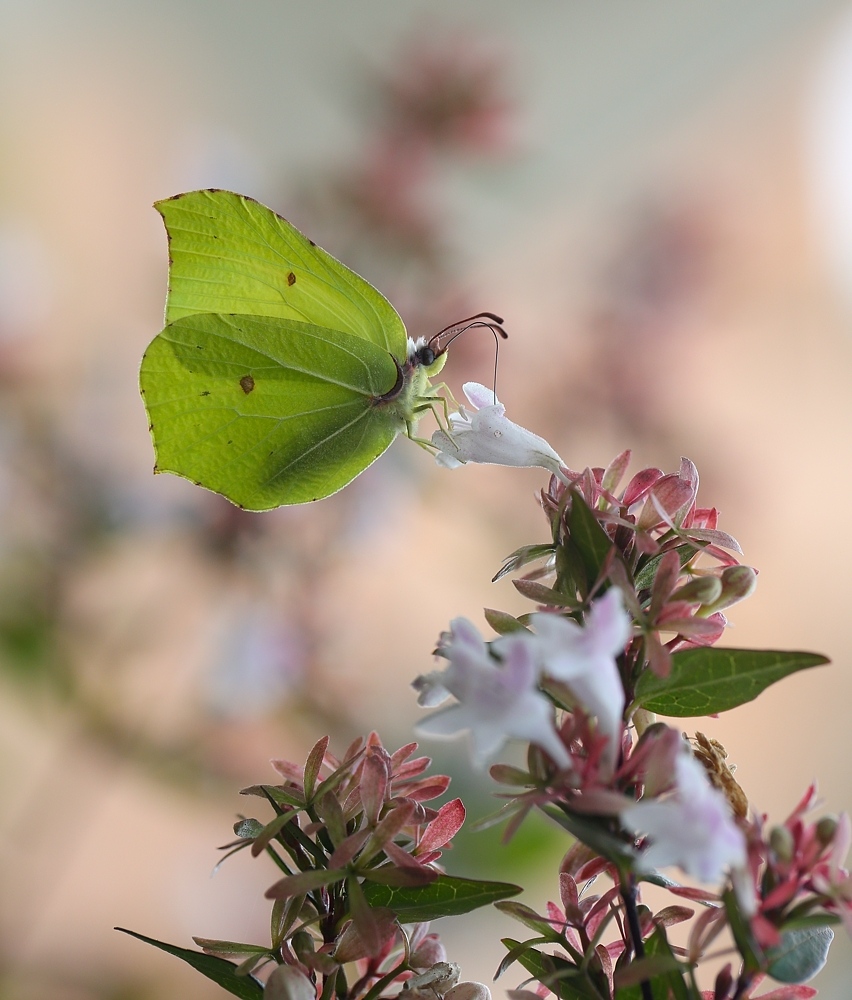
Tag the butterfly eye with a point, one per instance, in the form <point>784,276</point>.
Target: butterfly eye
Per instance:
<point>425,356</point>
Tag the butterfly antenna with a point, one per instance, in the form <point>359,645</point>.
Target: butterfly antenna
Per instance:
<point>496,357</point>
<point>443,338</point>
<point>487,320</point>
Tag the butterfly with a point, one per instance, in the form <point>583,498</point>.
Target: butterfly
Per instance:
<point>281,374</point>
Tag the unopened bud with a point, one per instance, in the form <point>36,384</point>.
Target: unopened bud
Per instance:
<point>469,991</point>
<point>738,583</point>
<point>429,952</point>
<point>700,590</point>
<point>781,842</point>
<point>302,944</point>
<point>826,828</point>
<point>289,983</point>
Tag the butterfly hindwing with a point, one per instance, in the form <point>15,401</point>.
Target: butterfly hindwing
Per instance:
<point>230,254</point>
<point>264,410</point>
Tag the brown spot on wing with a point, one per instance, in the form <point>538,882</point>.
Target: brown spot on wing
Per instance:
<point>247,384</point>
<point>291,278</point>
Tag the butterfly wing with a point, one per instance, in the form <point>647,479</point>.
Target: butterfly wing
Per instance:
<point>264,410</point>
<point>230,254</point>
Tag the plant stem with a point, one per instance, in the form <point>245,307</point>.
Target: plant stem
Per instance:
<point>378,986</point>
<point>628,896</point>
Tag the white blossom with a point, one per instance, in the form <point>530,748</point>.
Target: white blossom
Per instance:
<point>693,827</point>
<point>496,702</point>
<point>583,658</point>
<point>484,434</point>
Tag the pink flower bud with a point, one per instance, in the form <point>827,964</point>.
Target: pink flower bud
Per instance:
<point>738,582</point>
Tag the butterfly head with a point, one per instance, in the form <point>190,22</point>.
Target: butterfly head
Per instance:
<point>421,354</point>
<point>431,354</point>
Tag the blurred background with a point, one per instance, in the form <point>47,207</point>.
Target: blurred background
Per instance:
<point>657,197</point>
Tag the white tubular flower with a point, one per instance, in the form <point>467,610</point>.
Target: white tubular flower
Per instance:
<point>496,701</point>
<point>485,435</point>
<point>692,828</point>
<point>583,657</point>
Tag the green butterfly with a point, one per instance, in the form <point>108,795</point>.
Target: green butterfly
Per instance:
<point>280,375</point>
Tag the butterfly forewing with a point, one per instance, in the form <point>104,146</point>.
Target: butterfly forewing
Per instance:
<point>263,410</point>
<point>230,254</point>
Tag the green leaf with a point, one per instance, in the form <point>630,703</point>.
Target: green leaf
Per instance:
<point>337,777</point>
<point>269,832</point>
<point>313,765</point>
<point>514,953</point>
<point>410,875</point>
<point>521,557</point>
<point>230,947</point>
<point>304,882</point>
<point>679,984</point>
<point>633,992</point>
<point>589,538</point>
<point>330,811</point>
<point>709,679</point>
<point>819,919</point>
<point>285,913</point>
<point>527,916</point>
<point>502,622</point>
<point>742,933</point>
<point>564,978</point>
<point>593,833</point>
<point>543,595</point>
<point>571,571</point>
<point>800,955</point>
<point>373,924</point>
<point>644,577</point>
<point>220,971</point>
<point>447,896</point>
<point>507,774</point>
<point>280,798</point>
<point>660,964</point>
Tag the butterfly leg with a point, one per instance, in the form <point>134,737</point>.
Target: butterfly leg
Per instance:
<point>440,395</point>
<point>431,402</point>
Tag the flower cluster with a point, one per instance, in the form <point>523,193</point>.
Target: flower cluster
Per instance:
<point>653,525</point>
<point>354,841</point>
<point>631,593</point>
<point>497,687</point>
<point>658,536</point>
<point>797,869</point>
<point>793,885</point>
